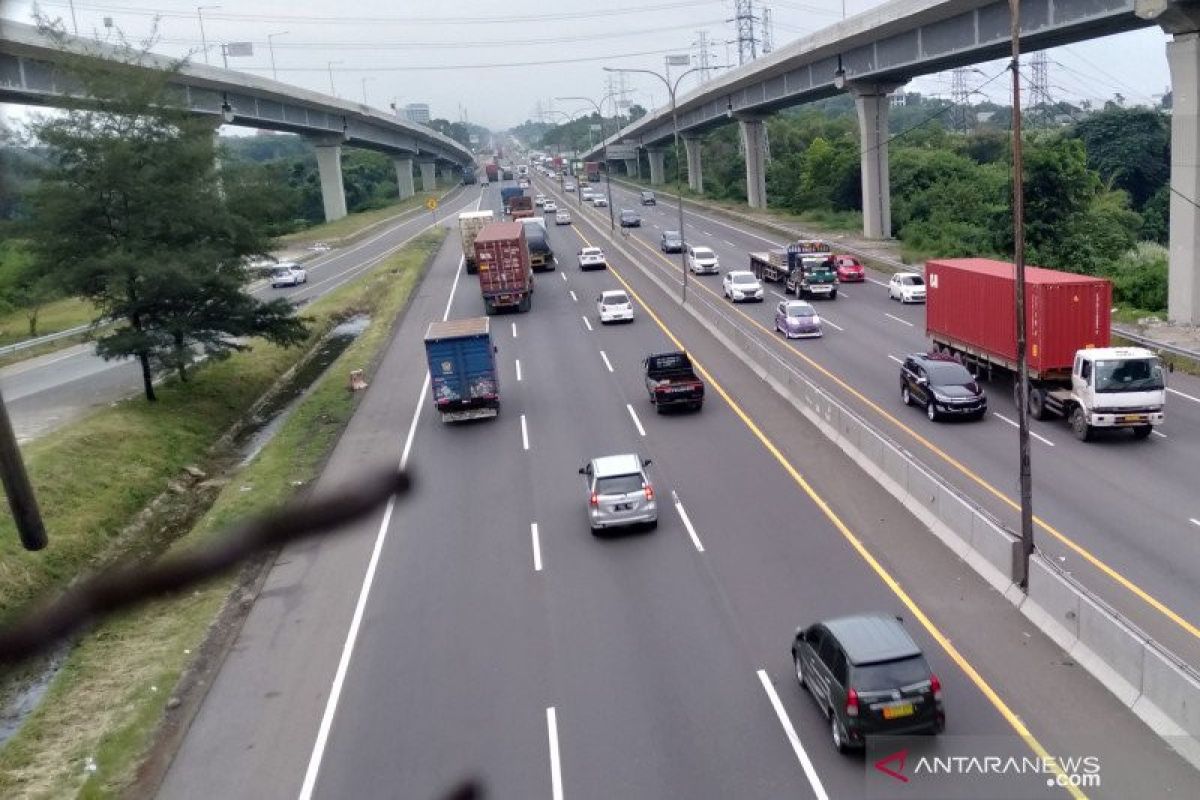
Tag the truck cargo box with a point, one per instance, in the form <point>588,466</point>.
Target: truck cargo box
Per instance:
<point>462,368</point>
<point>505,275</point>
<point>971,306</point>
<point>470,223</point>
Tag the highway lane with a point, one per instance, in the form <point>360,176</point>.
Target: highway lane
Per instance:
<point>644,652</point>
<point>1129,504</point>
<point>49,391</point>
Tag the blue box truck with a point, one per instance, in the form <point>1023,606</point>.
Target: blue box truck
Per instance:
<point>462,369</point>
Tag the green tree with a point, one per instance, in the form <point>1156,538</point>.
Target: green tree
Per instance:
<point>1058,185</point>
<point>1156,217</point>
<point>1139,277</point>
<point>1130,148</point>
<point>132,214</point>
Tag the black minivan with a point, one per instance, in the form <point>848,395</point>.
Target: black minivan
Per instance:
<point>869,677</point>
<point>648,199</point>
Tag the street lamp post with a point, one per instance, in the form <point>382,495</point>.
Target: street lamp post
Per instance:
<point>203,40</point>
<point>612,225</point>
<point>671,88</point>
<point>271,48</point>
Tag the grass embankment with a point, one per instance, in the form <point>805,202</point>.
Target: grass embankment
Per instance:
<point>99,716</point>
<point>53,317</point>
<point>353,224</point>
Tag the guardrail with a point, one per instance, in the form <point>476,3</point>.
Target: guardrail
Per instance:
<point>16,347</point>
<point>1154,344</point>
<point>1153,682</point>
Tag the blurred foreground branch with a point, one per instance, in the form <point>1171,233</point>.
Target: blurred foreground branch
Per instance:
<point>119,588</point>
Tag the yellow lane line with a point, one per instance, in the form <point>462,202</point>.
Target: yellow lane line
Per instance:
<point>959,659</point>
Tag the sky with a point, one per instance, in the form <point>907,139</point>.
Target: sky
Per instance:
<point>499,64</point>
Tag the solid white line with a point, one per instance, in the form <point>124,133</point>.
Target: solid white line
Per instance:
<point>518,369</point>
<point>637,422</point>
<point>897,360</point>
<point>1031,433</point>
<point>587,323</point>
<point>453,288</point>
<point>814,780</point>
<point>412,426</point>
<point>1159,435</point>
<point>339,678</point>
<point>556,789</point>
<point>607,363</point>
<point>1181,394</point>
<point>573,297</point>
<point>524,433</point>
<point>514,330</point>
<point>537,547</point>
<point>901,321</point>
<point>687,522</point>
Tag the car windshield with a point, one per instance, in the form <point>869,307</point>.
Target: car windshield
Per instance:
<point>744,278</point>
<point>591,251</point>
<point>282,271</point>
<point>619,484</point>
<point>1134,375</point>
<point>887,675</point>
<point>949,374</point>
<point>671,236</point>
<point>912,280</point>
<point>702,252</point>
<point>615,300</point>
<point>800,310</point>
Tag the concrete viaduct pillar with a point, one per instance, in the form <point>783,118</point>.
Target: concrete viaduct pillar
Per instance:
<point>695,171</point>
<point>871,101</point>
<point>631,165</point>
<point>329,168</point>
<point>657,166</point>
<point>755,143</point>
<point>428,176</point>
<point>1183,271</point>
<point>404,176</point>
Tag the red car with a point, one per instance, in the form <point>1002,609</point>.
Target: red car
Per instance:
<point>849,270</point>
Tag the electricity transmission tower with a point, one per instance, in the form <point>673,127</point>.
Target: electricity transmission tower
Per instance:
<point>768,31</point>
<point>1039,86</point>
<point>960,99</point>
<point>703,57</point>
<point>744,20</point>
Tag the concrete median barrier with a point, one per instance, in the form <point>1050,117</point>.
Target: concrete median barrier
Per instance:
<point>1105,646</point>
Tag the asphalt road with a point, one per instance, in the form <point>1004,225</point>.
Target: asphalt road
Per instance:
<point>1129,508</point>
<point>450,637</point>
<point>49,391</point>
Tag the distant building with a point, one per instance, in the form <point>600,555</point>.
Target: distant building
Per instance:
<point>417,112</point>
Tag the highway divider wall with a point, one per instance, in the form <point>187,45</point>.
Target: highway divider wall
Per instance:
<point>1150,680</point>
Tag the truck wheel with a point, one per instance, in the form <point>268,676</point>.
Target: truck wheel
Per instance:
<point>1142,431</point>
<point>1037,402</point>
<point>1079,425</point>
<point>931,411</point>
<point>526,304</point>
<point>488,308</point>
<point>833,295</point>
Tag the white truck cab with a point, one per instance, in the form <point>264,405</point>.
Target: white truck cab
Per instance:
<point>1114,387</point>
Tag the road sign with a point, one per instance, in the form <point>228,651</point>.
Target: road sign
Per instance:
<point>431,203</point>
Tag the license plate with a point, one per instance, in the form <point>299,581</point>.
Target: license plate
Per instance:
<point>900,710</point>
<point>622,506</point>
<point>1134,418</point>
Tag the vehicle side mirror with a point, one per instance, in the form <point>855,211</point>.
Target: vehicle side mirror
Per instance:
<point>922,380</point>
<point>583,470</point>
<point>495,349</point>
<point>646,462</point>
<point>800,633</point>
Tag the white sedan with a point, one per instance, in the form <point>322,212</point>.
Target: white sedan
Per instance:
<point>288,274</point>
<point>592,258</point>
<point>562,217</point>
<point>614,306</point>
<point>540,200</point>
<point>599,201</point>
<point>740,284</point>
<point>549,206</point>
<point>907,287</point>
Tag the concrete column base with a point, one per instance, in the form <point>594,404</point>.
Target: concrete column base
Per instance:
<point>404,176</point>
<point>871,102</point>
<point>428,176</point>
<point>657,167</point>
<point>333,192</point>
<point>754,141</point>
<point>695,170</point>
<point>1183,271</point>
<point>631,167</point>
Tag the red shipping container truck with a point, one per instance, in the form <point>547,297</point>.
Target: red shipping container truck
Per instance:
<point>970,308</point>
<point>493,172</point>
<point>505,272</point>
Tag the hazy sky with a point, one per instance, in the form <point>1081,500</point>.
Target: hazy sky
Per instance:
<point>496,62</point>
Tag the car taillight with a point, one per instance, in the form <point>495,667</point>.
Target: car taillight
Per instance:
<point>935,686</point>
<point>594,499</point>
<point>649,492</point>
<point>852,703</point>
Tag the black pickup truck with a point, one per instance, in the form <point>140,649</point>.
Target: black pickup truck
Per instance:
<point>671,381</point>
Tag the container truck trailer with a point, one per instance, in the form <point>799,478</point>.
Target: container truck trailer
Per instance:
<point>505,274</point>
<point>470,223</point>
<point>462,369</point>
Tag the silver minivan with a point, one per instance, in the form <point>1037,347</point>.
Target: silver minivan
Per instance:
<point>619,492</point>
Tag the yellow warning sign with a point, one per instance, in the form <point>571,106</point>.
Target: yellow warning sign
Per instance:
<point>431,203</point>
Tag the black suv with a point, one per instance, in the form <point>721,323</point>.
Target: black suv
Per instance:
<point>942,386</point>
<point>648,199</point>
<point>869,677</point>
<point>671,242</point>
<point>630,219</point>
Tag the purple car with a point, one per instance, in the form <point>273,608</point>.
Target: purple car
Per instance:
<point>797,319</point>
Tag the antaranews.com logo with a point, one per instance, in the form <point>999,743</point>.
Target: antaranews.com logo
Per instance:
<point>972,767</point>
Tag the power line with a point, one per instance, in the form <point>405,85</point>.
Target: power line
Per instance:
<point>435,67</point>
